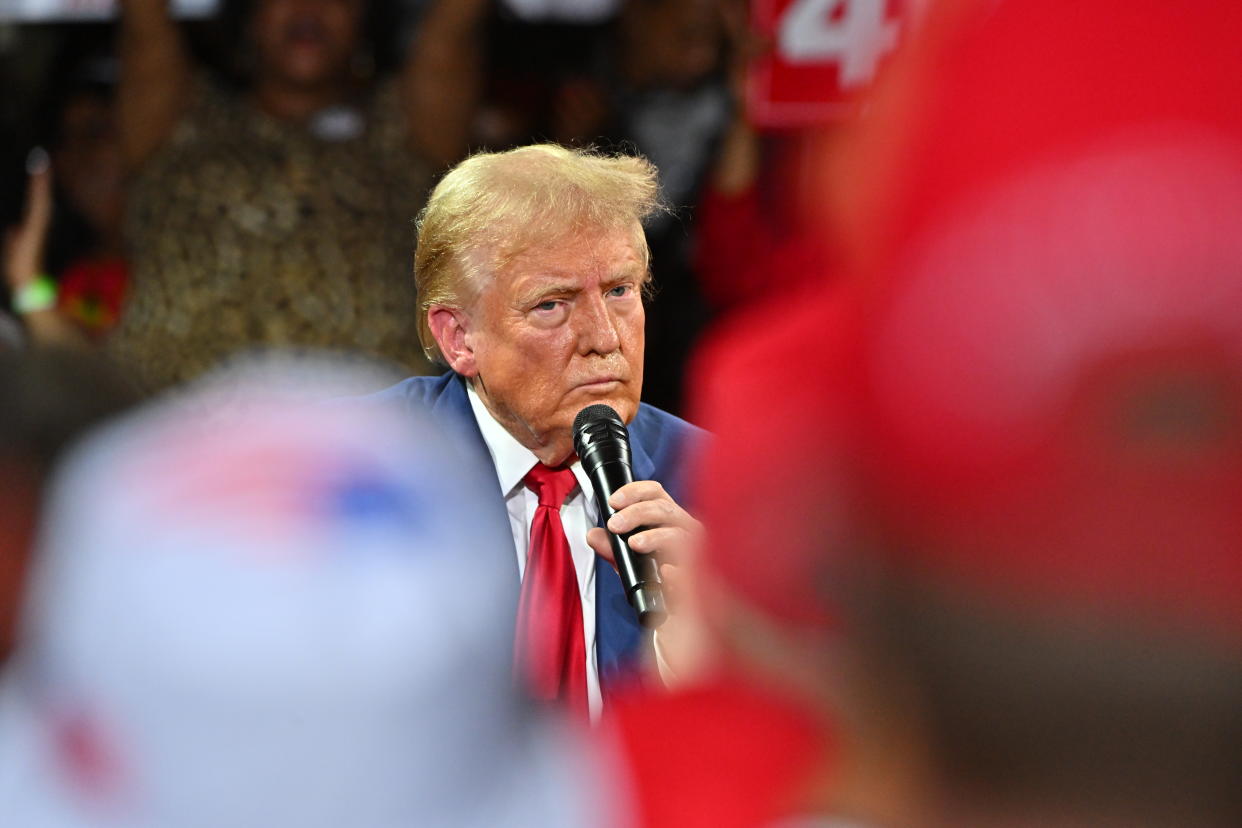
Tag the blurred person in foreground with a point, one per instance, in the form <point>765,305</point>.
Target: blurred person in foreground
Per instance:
<point>1045,624</point>
<point>531,268</point>
<point>279,213</point>
<point>1019,433</point>
<point>50,398</point>
<point>997,518</point>
<point>251,610</point>
<point>1043,621</point>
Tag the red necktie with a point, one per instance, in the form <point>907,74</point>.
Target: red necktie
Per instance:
<point>550,649</point>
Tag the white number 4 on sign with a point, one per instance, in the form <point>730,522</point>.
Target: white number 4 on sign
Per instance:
<point>855,34</point>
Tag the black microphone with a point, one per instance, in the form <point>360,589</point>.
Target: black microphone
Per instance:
<point>603,446</point>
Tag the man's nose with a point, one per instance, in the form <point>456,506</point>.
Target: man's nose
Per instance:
<point>596,327</point>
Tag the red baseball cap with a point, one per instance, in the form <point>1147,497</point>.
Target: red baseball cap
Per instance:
<point>1051,360</point>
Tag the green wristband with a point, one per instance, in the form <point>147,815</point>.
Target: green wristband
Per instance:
<point>36,295</point>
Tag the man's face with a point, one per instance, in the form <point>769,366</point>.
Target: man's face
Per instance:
<point>560,329</point>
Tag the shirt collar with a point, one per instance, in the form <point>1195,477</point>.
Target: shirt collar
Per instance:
<point>512,459</point>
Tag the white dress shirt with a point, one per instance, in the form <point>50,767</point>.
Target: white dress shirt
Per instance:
<point>579,513</point>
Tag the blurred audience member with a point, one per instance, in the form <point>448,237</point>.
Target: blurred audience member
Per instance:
<point>50,398</point>
<point>656,84</point>
<point>280,213</point>
<point>762,224</point>
<point>64,260</point>
<point>649,77</point>
<point>252,610</point>
<point>86,156</point>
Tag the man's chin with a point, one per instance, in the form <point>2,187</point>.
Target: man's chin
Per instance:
<point>616,395</point>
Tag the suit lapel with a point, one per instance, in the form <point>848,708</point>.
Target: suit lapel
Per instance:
<point>641,462</point>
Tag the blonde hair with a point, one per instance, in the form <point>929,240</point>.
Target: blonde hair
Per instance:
<point>494,205</point>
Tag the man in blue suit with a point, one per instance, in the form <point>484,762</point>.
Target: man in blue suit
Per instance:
<point>531,267</point>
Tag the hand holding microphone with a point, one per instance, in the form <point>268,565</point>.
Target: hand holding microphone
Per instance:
<point>642,519</point>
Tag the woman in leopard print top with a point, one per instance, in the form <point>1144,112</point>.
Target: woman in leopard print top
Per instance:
<point>282,216</point>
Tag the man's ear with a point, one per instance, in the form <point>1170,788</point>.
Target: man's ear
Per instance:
<point>450,327</point>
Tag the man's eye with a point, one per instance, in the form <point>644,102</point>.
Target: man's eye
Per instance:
<point>546,306</point>
<point>619,290</point>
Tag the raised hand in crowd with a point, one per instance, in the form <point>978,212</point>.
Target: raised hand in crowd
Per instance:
<point>738,159</point>
<point>33,291</point>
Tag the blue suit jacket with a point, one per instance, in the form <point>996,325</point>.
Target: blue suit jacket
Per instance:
<point>659,442</point>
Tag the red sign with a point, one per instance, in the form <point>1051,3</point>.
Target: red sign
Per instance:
<point>824,53</point>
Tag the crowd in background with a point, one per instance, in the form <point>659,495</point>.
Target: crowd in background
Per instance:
<point>970,358</point>
<point>177,150</point>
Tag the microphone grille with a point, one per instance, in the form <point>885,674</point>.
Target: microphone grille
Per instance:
<point>594,422</point>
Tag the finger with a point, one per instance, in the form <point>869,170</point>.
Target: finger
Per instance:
<point>669,542</point>
<point>597,539</point>
<point>37,161</point>
<point>671,584</point>
<point>649,513</point>
<point>634,492</point>
<point>38,208</point>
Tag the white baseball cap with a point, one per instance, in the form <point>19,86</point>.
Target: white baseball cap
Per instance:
<point>250,610</point>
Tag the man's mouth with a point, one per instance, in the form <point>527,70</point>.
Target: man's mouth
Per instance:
<point>599,382</point>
